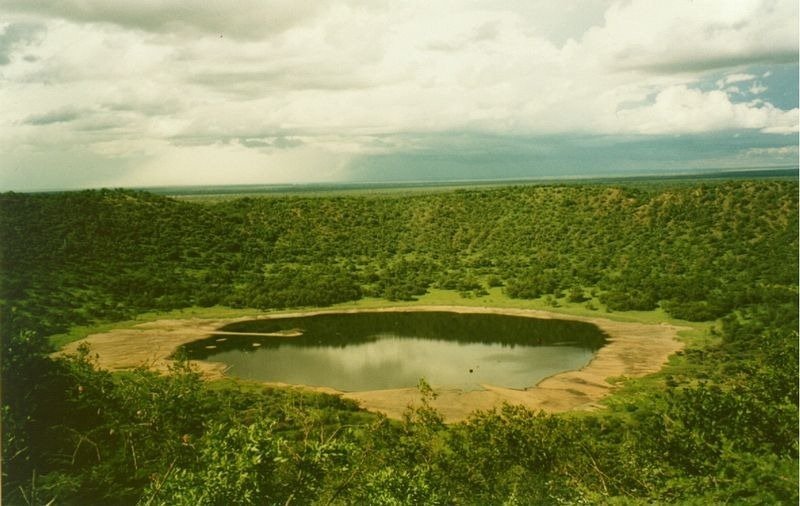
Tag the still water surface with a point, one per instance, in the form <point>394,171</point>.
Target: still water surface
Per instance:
<point>373,351</point>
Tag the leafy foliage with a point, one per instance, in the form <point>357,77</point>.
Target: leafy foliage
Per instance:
<point>698,251</point>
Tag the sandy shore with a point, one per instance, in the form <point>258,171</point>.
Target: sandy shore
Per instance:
<point>633,349</point>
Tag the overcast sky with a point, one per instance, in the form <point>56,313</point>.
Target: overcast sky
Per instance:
<point>172,92</point>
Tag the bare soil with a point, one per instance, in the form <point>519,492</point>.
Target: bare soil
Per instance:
<point>632,350</point>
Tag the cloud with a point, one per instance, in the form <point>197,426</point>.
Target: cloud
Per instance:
<point>147,106</point>
<point>734,78</point>
<point>257,82</point>
<point>49,118</point>
<point>15,35</point>
<point>240,20</point>
<point>279,142</point>
<point>781,129</point>
<point>680,109</point>
<point>687,63</point>
<point>781,151</point>
<point>486,32</point>
<point>683,36</point>
<point>148,81</point>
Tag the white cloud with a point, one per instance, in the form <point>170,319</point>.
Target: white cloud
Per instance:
<point>680,109</point>
<point>688,36</point>
<point>755,88</point>
<point>734,78</point>
<point>782,129</point>
<point>242,19</point>
<point>781,151</point>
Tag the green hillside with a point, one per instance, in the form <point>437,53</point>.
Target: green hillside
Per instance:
<point>697,251</point>
<point>719,425</point>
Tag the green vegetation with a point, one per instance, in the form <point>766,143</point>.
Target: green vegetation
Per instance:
<point>718,425</point>
<point>697,251</point>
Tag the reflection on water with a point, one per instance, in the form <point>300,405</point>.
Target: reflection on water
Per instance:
<point>371,351</point>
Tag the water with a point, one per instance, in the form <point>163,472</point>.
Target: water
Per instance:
<point>374,351</point>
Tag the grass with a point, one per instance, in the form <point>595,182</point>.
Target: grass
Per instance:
<point>434,297</point>
<point>496,298</point>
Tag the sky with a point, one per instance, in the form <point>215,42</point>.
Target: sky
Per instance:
<point>137,93</point>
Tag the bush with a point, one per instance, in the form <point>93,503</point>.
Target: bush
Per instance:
<point>632,300</point>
